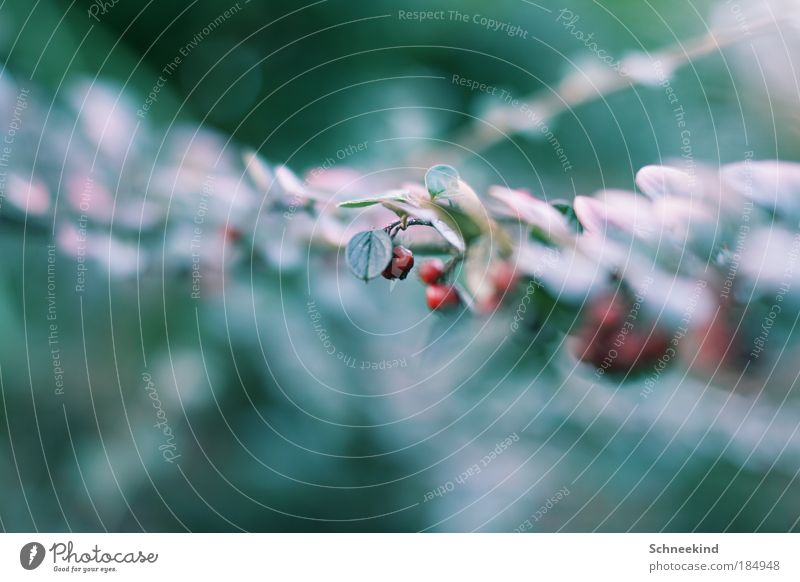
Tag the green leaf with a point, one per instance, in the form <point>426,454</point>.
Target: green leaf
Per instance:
<point>440,179</point>
<point>393,196</point>
<point>359,203</point>
<point>477,268</point>
<point>459,221</point>
<point>368,253</point>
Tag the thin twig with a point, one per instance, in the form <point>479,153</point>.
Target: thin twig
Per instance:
<point>404,223</point>
<point>504,120</point>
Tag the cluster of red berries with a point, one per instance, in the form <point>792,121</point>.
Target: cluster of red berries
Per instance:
<point>609,339</point>
<point>439,295</point>
<point>503,279</point>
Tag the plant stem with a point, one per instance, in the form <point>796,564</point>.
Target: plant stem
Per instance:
<point>580,88</point>
<point>404,223</point>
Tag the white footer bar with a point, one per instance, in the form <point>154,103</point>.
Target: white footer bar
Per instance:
<point>400,557</point>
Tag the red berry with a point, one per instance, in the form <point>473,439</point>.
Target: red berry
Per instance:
<point>607,311</point>
<point>440,296</point>
<point>432,271</point>
<point>400,265</point>
<point>231,233</point>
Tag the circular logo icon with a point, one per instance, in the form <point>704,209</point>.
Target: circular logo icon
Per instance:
<point>31,555</point>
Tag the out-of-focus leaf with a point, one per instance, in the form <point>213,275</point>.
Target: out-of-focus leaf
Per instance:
<point>28,196</point>
<point>258,170</point>
<point>566,209</point>
<point>769,266</point>
<point>533,211</point>
<point>771,184</point>
<point>466,200</point>
<point>449,191</point>
<point>616,210</point>
<point>453,225</point>
<point>463,215</point>
<point>392,196</point>
<point>659,181</point>
<point>449,234</point>
<point>672,299</point>
<point>477,269</point>
<point>368,253</point>
<point>569,276</point>
<point>691,222</point>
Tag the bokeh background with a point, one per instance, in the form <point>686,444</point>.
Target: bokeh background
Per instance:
<point>257,426</point>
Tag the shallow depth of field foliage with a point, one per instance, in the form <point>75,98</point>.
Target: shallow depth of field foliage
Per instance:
<point>185,345</point>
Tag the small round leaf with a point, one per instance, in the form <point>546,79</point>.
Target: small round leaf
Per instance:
<point>440,179</point>
<point>368,253</point>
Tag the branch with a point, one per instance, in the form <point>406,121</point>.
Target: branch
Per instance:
<point>578,88</point>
